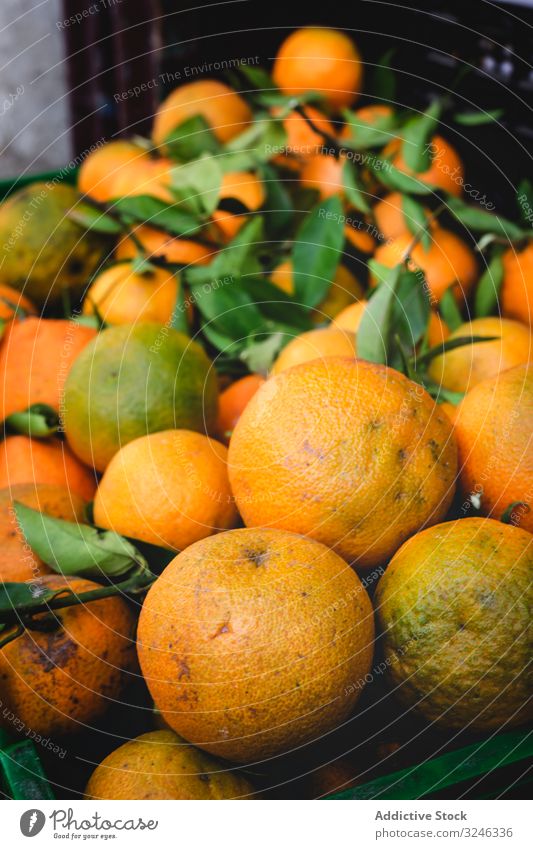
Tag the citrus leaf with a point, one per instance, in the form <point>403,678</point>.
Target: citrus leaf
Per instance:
<point>484,222</point>
<point>265,138</point>
<point>475,119</point>
<point>278,206</point>
<point>373,335</point>
<point>353,188</point>
<point>150,210</point>
<point>260,354</point>
<point>488,288</point>
<point>416,219</point>
<point>410,310</point>
<point>18,596</point>
<point>507,515</point>
<point>317,251</point>
<point>383,82</point>
<point>91,218</point>
<point>229,308</point>
<point>75,549</point>
<point>524,197</point>
<point>236,259</point>
<point>416,151</point>
<point>391,177</point>
<point>38,420</point>
<point>197,184</point>
<point>191,139</point>
<point>258,77</point>
<point>364,136</point>
<point>275,304</point>
<point>449,310</point>
<point>450,345</point>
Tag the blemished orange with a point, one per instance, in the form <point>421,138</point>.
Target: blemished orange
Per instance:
<point>232,402</point>
<point>244,187</point>
<point>46,461</point>
<point>35,358</point>
<point>330,447</point>
<point>13,304</point>
<point>322,60</point>
<point>236,650</point>
<point>17,561</point>
<point>225,111</point>
<point>156,243</point>
<point>350,317</point>
<point>454,609</point>
<point>493,429</point>
<point>301,139</point>
<point>344,289</point>
<point>103,166</point>
<point>389,216</point>
<point>162,765</point>
<point>445,172</point>
<point>61,681</point>
<point>169,488</point>
<point>448,262</point>
<point>121,295</point>
<point>151,177</point>
<point>324,174</point>
<point>517,284</point>
<point>315,344</point>
<point>463,368</point>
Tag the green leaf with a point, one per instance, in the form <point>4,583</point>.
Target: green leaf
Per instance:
<point>150,210</point>
<point>440,393</point>
<point>410,309</point>
<point>238,258</point>
<point>260,354</point>
<point>488,288</point>
<point>275,304</point>
<point>354,188</point>
<point>76,549</point>
<point>197,184</point>
<point>229,308</point>
<point>278,206</point>
<point>416,219</point>
<point>317,251</point>
<point>373,335</point>
<point>524,197</point>
<point>507,515</point>
<point>179,319</point>
<point>38,420</point>
<point>383,79</point>
<point>391,177</point>
<point>258,77</point>
<point>416,134</point>
<point>449,310</point>
<point>484,222</point>
<point>265,138</point>
<point>91,218</point>
<point>474,119</point>
<point>141,265</point>
<point>450,345</point>
<point>17,596</point>
<point>191,139</point>
<point>364,136</point>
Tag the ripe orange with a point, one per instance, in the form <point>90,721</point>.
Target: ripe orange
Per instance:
<point>233,401</point>
<point>35,359</point>
<point>389,216</point>
<point>161,765</point>
<point>448,261</point>
<point>120,295</point>
<point>315,344</point>
<point>453,608</point>
<point>17,561</point>
<point>321,60</point>
<point>344,289</point>
<point>236,648</point>
<point>226,112</point>
<point>367,115</point>
<point>13,302</point>
<point>151,177</point>
<point>302,140</point>
<point>143,493</point>
<point>464,367</point>
<point>350,317</point>
<point>44,461</point>
<point>493,428</point>
<point>156,243</point>
<point>323,173</point>
<point>57,682</point>
<point>244,187</point>
<point>445,172</point>
<point>360,239</point>
<point>103,166</point>
<point>330,447</point>
<point>517,285</point>
<point>438,330</point>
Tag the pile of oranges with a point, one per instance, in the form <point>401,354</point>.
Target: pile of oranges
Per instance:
<point>192,386</point>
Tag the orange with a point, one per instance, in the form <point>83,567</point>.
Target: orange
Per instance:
<point>389,216</point>
<point>245,188</point>
<point>17,561</point>
<point>58,682</point>
<point>438,330</point>
<point>120,295</point>
<point>453,606</point>
<point>464,367</point>
<point>156,243</point>
<point>315,344</point>
<point>103,166</point>
<point>448,262</point>
<point>12,303</point>
<point>161,765</point>
<point>237,650</point>
<point>143,493</point>
<point>324,174</point>
<point>302,139</point>
<point>226,112</point>
<point>493,428</point>
<point>517,285</point>
<point>360,239</point>
<point>35,359</point>
<point>445,172</point>
<point>331,447</point>
<point>344,289</point>
<point>349,318</point>
<point>44,461</point>
<point>367,115</point>
<point>321,60</point>
<point>151,177</point>
<point>232,402</point>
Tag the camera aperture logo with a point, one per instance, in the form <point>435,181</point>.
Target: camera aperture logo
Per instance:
<point>32,822</point>
<point>66,825</point>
